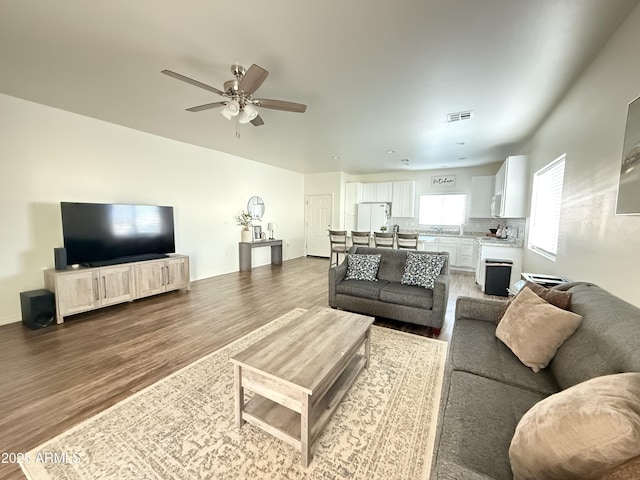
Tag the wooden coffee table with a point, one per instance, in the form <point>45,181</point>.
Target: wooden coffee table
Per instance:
<point>300,373</point>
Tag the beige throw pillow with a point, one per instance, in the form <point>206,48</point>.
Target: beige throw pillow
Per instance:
<point>534,329</point>
<point>583,432</point>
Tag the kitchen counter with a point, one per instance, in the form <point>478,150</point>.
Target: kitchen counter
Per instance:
<point>507,242</point>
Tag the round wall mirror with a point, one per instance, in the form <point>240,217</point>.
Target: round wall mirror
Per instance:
<point>256,208</point>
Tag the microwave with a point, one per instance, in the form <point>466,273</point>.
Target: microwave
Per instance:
<point>496,205</point>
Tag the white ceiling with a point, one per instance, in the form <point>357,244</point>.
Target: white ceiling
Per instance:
<point>377,75</point>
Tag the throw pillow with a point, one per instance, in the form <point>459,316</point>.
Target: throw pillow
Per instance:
<point>559,298</point>
<point>534,329</point>
<point>422,269</point>
<point>583,432</point>
<point>363,267</point>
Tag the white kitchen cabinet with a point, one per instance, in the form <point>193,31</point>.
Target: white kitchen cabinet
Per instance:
<point>377,192</point>
<point>403,199</point>
<point>482,190</point>
<point>511,188</point>
<point>465,253</point>
<point>450,245</point>
<point>369,192</point>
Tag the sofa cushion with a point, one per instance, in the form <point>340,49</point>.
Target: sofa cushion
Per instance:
<point>474,348</point>
<point>534,329</point>
<point>580,433</point>
<point>480,416</point>
<point>607,341</point>
<point>422,269</point>
<point>363,267</point>
<point>361,288</point>
<point>409,295</point>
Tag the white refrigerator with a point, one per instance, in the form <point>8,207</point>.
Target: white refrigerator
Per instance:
<point>372,216</point>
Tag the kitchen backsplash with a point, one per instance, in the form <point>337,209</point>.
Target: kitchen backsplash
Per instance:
<point>515,226</point>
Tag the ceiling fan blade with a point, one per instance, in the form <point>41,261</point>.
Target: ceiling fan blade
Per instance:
<point>281,105</point>
<point>252,79</point>
<point>192,82</point>
<point>206,106</point>
<point>257,121</point>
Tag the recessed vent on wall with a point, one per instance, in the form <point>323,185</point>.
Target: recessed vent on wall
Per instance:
<point>457,116</point>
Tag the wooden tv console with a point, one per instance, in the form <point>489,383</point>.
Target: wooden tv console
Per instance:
<point>88,288</point>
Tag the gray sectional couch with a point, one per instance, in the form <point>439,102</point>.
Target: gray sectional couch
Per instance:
<point>487,389</point>
<point>387,297</point>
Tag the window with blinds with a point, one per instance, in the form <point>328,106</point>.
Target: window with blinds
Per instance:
<point>442,209</point>
<point>546,202</point>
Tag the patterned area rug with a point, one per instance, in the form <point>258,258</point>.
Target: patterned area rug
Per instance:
<point>182,427</point>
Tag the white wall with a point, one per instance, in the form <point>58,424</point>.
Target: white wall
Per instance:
<point>589,123</point>
<point>331,183</point>
<point>49,155</point>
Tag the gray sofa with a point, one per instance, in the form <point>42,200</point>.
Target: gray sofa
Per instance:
<point>387,297</point>
<point>487,390</point>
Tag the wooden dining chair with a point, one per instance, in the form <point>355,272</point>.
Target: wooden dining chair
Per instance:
<point>338,240</point>
<point>407,241</point>
<point>383,239</point>
<point>360,238</point>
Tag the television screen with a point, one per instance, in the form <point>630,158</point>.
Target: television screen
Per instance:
<point>97,233</point>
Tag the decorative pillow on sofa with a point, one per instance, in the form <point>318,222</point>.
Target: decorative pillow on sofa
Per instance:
<point>363,267</point>
<point>558,298</point>
<point>583,432</point>
<point>422,269</point>
<point>534,329</point>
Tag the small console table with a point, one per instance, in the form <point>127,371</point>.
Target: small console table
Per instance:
<point>245,252</point>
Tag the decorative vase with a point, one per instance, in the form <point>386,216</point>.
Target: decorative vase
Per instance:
<point>246,235</point>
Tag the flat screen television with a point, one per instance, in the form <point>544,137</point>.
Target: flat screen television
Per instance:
<point>97,234</point>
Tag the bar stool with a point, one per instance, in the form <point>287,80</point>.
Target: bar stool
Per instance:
<point>360,238</point>
<point>407,241</point>
<point>338,240</point>
<point>383,239</point>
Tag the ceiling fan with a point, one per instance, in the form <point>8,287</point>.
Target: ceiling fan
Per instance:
<point>240,92</point>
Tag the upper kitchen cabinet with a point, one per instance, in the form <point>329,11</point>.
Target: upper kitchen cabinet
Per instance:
<point>511,187</point>
<point>377,192</point>
<point>482,190</point>
<point>403,199</point>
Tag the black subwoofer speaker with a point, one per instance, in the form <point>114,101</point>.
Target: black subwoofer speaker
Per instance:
<point>60,258</point>
<point>38,308</point>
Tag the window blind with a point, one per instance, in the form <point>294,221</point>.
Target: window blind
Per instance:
<point>546,203</point>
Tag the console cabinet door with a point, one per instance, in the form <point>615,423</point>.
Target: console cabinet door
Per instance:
<point>150,278</point>
<point>177,273</point>
<point>77,292</point>
<point>116,285</point>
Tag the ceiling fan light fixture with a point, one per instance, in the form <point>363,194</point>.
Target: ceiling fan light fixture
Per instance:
<point>247,114</point>
<point>231,109</point>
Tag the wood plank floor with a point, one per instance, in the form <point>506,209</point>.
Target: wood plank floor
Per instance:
<point>56,377</point>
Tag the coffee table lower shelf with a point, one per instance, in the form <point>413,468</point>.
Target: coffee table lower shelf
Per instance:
<point>285,424</point>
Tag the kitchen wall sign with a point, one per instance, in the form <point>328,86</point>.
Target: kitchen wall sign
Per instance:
<point>443,181</point>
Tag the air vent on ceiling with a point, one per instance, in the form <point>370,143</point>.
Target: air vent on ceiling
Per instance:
<point>457,116</point>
